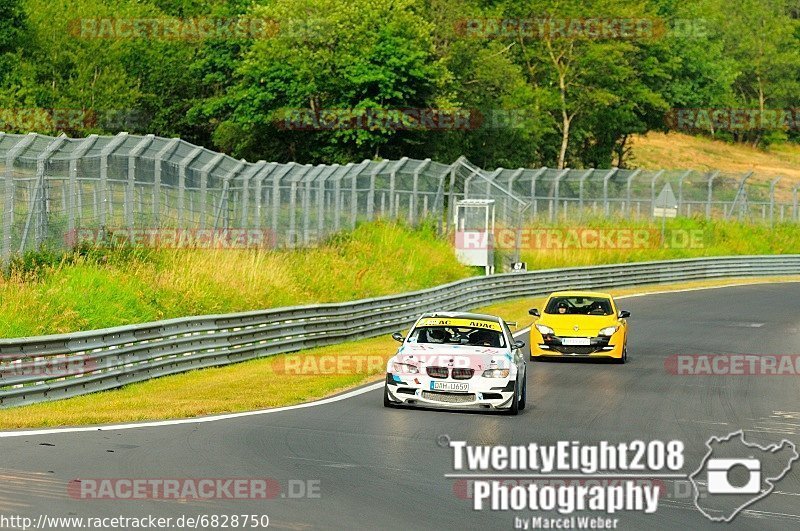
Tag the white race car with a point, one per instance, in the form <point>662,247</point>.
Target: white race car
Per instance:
<point>457,361</point>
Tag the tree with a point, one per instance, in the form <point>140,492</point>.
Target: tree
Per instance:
<point>330,55</point>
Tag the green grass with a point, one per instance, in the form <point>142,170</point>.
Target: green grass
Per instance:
<point>96,288</point>
<point>93,288</point>
<point>712,238</point>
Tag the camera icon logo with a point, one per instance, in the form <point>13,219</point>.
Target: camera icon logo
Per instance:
<point>736,473</point>
<point>719,476</point>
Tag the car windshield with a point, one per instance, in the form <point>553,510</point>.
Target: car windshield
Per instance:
<point>576,305</point>
<point>457,335</point>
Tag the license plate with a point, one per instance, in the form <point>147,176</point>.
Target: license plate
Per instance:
<point>576,341</point>
<point>449,386</point>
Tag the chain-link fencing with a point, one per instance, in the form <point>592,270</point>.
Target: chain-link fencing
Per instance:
<point>59,191</point>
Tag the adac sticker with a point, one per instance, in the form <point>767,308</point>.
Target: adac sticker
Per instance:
<point>471,323</point>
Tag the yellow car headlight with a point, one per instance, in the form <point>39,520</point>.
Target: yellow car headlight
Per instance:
<point>545,330</point>
<point>608,331</point>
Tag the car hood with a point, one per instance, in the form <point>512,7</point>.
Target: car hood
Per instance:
<point>588,325</point>
<point>460,356</point>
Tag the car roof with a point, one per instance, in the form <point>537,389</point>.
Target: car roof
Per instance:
<point>463,315</point>
<point>580,294</point>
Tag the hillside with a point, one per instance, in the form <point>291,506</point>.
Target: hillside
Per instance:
<point>676,150</point>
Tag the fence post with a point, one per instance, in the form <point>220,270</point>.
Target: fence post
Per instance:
<point>795,213</point>
<point>8,215</point>
<point>134,154</point>
<point>772,185</point>
<point>40,230</point>
<point>535,201</point>
<point>204,171</point>
<point>308,181</point>
<point>581,182</point>
<point>276,196</point>
<point>413,200</point>
<point>680,189</point>
<point>106,152</point>
<point>371,193</point>
<point>322,180</point>
<point>740,192</point>
<point>293,181</point>
<point>160,157</point>
<point>628,197</point>
<point>451,194</point>
<point>182,165</point>
<point>653,191</point>
<point>510,191</point>
<point>710,193</point>
<point>223,200</point>
<point>606,178</point>
<point>252,171</point>
<point>354,192</point>
<point>554,201</point>
<point>337,194</point>
<point>393,208</point>
<point>73,194</point>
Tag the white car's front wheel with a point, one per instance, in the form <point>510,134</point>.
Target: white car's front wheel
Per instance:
<point>386,401</point>
<point>524,398</point>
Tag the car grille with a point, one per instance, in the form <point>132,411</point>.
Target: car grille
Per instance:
<point>580,350</point>
<point>437,372</point>
<point>449,398</point>
<point>462,374</point>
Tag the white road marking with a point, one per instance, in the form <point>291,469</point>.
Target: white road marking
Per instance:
<point>198,420</point>
<point>330,400</point>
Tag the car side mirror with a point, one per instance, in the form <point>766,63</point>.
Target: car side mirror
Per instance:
<point>534,312</point>
<point>518,344</point>
<point>624,313</point>
<point>397,336</point>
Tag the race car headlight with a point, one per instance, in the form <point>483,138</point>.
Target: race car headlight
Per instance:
<point>404,367</point>
<point>608,331</point>
<point>495,373</point>
<point>545,330</point>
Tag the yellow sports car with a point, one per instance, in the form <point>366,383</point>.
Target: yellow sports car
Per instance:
<point>583,324</point>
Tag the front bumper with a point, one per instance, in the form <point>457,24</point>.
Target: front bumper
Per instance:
<point>599,347</point>
<point>483,393</point>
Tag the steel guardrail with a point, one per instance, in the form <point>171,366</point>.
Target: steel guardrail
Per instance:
<point>43,368</point>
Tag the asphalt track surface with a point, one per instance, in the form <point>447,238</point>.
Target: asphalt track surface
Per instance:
<point>381,468</point>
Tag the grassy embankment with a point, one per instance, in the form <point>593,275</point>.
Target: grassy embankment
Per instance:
<point>48,294</point>
<point>676,150</point>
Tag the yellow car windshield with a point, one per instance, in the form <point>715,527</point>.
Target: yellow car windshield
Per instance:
<point>576,305</point>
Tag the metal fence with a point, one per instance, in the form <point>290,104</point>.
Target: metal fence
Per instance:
<point>58,190</point>
<point>45,368</point>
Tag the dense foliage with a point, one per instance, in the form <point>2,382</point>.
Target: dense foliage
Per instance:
<point>337,80</point>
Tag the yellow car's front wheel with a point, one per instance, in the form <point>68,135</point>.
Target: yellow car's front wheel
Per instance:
<point>624,357</point>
